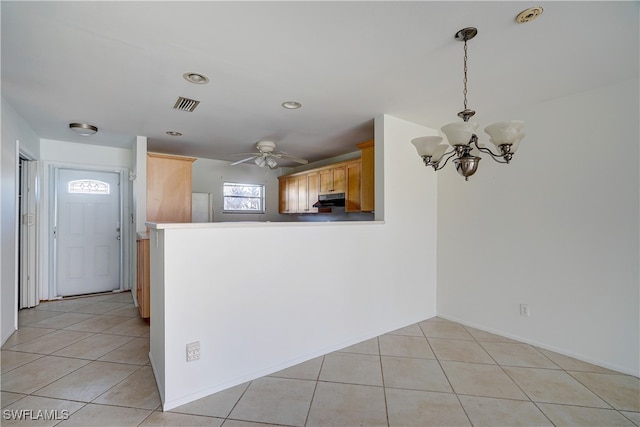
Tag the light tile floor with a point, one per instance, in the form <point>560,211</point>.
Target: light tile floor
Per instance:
<point>88,357</point>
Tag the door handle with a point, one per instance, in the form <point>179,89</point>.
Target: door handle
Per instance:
<point>118,238</point>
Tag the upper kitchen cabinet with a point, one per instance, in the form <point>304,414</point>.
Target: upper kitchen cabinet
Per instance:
<point>352,186</point>
<point>367,176</point>
<point>168,188</point>
<point>288,186</point>
<point>354,178</point>
<point>333,179</point>
<point>299,192</point>
<point>308,186</point>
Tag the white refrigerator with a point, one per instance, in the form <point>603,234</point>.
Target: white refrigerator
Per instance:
<point>201,207</point>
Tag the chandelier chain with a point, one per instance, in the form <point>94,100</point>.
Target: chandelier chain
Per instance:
<point>464,80</point>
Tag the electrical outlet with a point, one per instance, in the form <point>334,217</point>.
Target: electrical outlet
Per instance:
<point>193,351</point>
<point>524,310</point>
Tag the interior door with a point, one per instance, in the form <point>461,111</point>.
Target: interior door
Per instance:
<point>87,232</point>
<point>28,290</point>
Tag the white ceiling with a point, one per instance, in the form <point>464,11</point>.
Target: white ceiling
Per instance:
<point>119,65</point>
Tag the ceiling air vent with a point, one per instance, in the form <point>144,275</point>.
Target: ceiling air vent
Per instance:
<point>186,104</point>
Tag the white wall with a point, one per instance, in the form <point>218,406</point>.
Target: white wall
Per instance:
<point>85,154</point>
<point>209,176</point>
<point>253,294</point>
<point>14,129</point>
<point>139,165</point>
<point>557,229</point>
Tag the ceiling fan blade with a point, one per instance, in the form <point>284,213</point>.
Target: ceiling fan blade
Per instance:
<point>293,158</point>
<point>243,160</point>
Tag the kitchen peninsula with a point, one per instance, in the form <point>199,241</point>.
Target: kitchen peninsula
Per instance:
<point>258,297</point>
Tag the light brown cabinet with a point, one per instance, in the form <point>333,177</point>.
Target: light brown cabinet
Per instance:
<point>168,188</point>
<point>352,187</point>
<point>355,178</point>
<point>142,272</point>
<point>299,192</point>
<point>288,187</point>
<point>332,180</point>
<point>168,200</point>
<point>308,186</point>
<point>367,191</point>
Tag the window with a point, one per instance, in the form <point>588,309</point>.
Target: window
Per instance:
<point>88,186</point>
<point>243,198</point>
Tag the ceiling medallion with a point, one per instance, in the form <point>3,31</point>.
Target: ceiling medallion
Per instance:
<point>461,135</point>
<point>529,15</point>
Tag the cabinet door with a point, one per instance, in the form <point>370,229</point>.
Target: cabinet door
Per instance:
<point>333,180</point>
<point>142,280</point>
<point>367,202</point>
<point>168,188</point>
<point>313,187</point>
<point>283,200</point>
<point>326,181</point>
<point>303,197</point>
<point>339,179</point>
<point>352,202</point>
<point>292,195</point>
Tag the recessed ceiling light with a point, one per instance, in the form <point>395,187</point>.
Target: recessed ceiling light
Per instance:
<point>291,105</point>
<point>173,133</point>
<point>196,78</point>
<point>83,128</point>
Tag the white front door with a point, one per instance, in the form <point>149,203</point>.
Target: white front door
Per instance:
<point>87,232</point>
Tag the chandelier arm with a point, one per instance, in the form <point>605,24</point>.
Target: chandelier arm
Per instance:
<point>497,157</point>
<point>439,166</point>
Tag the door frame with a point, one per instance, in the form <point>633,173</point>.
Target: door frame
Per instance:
<point>125,245</point>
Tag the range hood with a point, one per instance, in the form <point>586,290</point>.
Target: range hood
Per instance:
<point>330,200</point>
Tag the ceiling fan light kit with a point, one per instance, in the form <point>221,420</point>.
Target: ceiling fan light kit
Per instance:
<point>506,136</point>
<point>267,156</point>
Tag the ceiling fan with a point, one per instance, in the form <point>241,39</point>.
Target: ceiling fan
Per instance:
<point>267,156</point>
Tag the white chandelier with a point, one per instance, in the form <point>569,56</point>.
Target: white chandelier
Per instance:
<point>506,136</point>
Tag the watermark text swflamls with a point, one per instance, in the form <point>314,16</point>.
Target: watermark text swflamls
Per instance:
<point>31,415</point>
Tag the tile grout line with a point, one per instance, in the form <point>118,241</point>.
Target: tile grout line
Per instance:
<point>384,387</point>
<point>115,385</point>
<point>466,414</point>
<point>509,376</point>
<point>313,395</point>
<point>592,391</point>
